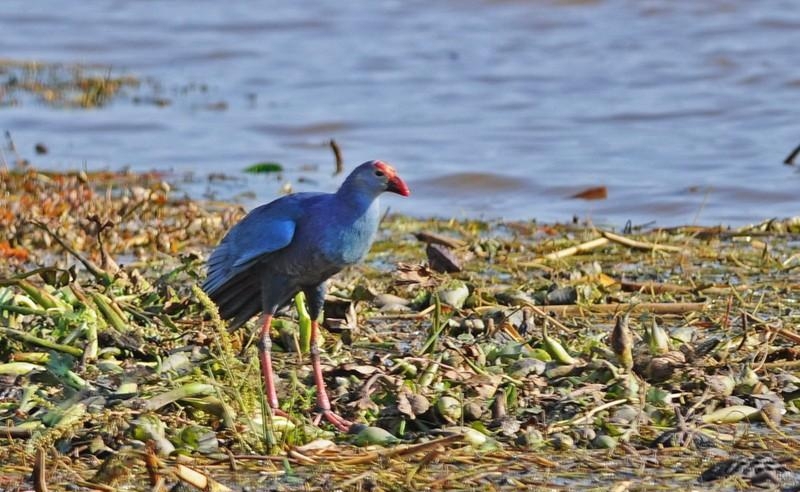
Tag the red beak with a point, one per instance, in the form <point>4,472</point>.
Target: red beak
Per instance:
<point>397,185</point>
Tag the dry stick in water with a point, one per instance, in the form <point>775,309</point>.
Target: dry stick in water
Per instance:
<point>789,161</point>
<point>337,153</point>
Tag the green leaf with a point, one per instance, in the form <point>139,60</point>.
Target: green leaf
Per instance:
<point>264,168</point>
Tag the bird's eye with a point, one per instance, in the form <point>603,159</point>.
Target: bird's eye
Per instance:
<point>379,173</point>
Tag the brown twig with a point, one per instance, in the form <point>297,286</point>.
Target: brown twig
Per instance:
<point>433,238</point>
<point>789,161</point>
<point>91,266</point>
<point>15,432</point>
<point>337,153</point>
<point>783,332</point>
<point>39,467</point>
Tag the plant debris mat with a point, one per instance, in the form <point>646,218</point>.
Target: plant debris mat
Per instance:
<point>474,356</point>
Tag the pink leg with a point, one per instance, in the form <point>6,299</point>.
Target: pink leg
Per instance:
<point>323,403</point>
<point>264,356</point>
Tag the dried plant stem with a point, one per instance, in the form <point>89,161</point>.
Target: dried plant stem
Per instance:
<point>563,253</point>
<point>585,419</point>
<point>632,243</point>
<point>649,307</point>
<point>39,467</point>
<point>199,479</point>
<point>402,450</point>
<point>90,266</point>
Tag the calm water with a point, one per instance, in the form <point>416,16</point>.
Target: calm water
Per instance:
<point>493,109</point>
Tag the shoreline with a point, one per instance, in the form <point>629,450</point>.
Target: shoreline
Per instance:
<point>547,350</point>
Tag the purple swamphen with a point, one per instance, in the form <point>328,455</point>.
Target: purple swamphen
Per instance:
<point>293,244</point>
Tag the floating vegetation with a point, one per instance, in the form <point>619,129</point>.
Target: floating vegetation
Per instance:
<point>264,168</point>
<point>476,355</point>
<point>60,85</point>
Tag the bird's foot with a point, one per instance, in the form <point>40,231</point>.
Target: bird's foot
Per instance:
<point>280,413</point>
<point>340,423</point>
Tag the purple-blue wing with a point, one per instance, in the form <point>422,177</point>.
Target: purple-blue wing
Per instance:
<point>265,230</point>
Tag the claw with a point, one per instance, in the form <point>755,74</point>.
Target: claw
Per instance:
<point>341,424</point>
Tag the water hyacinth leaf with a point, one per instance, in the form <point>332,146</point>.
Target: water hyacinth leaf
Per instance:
<point>316,446</point>
<point>278,423</point>
<point>199,439</point>
<point>178,363</point>
<point>555,349</point>
<point>109,366</point>
<point>68,412</point>
<point>720,384</point>
<point>264,168</point>
<point>732,415</point>
<point>375,436</point>
<point>474,438</point>
<point>521,368</point>
<point>127,389</point>
<point>41,296</point>
<point>657,338</point>
<point>453,293</point>
<point>20,368</point>
<point>61,366</point>
<point>150,428</point>
<point>29,399</point>
<point>604,441</point>
<point>658,396</point>
<point>110,312</point>
<point>449,408</point>
<point>427,376</point>
<point>214,406</point>
<point>188,390</point>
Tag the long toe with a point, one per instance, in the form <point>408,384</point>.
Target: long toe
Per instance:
<point>340,423</point>
<point>280,413</point>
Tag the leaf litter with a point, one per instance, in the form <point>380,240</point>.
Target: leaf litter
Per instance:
<point>477,356</point>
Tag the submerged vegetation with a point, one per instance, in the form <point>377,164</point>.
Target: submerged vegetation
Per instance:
<point>477,355</point>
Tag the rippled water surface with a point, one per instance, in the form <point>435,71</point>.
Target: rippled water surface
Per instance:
<point>494,109</point>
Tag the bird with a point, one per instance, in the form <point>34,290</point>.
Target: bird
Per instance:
<point>295,244</point>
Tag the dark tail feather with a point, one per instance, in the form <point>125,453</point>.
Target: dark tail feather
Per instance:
<point>248,303</point>
<point>238,298</point>
<point>245,313</point>
<point>233,295</point>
